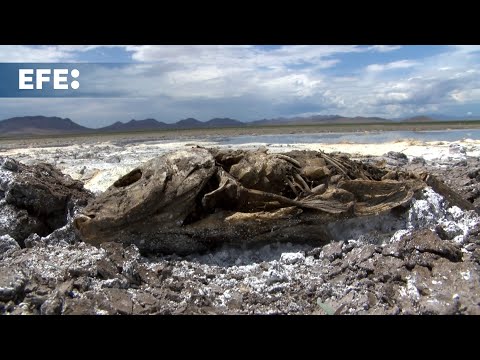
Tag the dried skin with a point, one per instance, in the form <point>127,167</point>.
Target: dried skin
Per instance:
<point>193,200</point>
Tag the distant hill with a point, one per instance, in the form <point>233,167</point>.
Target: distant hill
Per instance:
<point>152,124</point>
<point>360,120</point>
<point>187,123</point>
<point>133,125</point>
<point>42,125</point>
<point>39,125</point>
<point>223,122</point>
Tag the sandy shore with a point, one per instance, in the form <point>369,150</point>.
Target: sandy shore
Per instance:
<point>430,151</point>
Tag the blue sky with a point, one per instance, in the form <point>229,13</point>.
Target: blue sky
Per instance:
<point>249,82</point>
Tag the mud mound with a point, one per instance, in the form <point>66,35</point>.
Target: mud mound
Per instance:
<point>36,199</point>
<point>418,274</point>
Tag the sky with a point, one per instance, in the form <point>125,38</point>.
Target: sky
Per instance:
<point>252,82</point>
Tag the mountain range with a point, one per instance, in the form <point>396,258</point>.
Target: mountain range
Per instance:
<point>42,125</point>
<point>39,125</point>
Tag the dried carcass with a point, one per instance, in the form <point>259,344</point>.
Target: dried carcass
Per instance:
<point>192,200</point>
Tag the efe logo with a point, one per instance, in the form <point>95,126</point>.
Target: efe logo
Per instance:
<point>33,79</point>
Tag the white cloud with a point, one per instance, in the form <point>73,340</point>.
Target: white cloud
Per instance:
<point>466,96</point>
<point>21,53</point>
<point>240,55</point>
<point>248,82</point>
<point>466,49</point>
<point>225,71</point>
<point>45,54</point>
<point>400,64</point>
<point>385,48</point>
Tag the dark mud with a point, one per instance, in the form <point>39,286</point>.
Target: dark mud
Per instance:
<point>431,266</point>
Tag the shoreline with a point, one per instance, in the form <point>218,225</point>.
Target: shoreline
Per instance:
<point>52,140</point>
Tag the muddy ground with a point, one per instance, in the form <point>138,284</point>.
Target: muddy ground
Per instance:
<point>431,266</point>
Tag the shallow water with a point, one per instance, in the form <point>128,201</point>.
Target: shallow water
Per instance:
<point>356,138</point>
